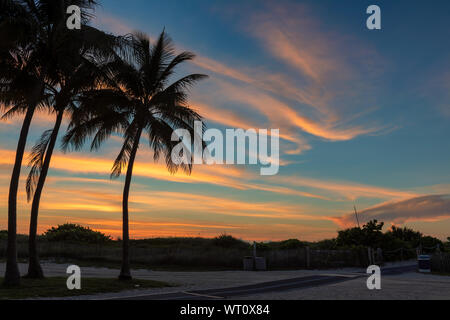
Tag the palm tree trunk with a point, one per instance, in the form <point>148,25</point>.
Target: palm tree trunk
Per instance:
<point>125,273</point>
<point>34,267</point>
<point>12,274</point>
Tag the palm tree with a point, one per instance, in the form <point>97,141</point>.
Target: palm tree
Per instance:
<point>138,100</point>
<point>79,72</point>
<point>28,29</point>
<point>76,70</point>
<point>22,93</point>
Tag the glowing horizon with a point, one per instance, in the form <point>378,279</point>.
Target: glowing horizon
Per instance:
<point>357,127</point>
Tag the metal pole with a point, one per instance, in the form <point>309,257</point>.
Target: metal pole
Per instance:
<point>356,214</point>
<point>254,255</point>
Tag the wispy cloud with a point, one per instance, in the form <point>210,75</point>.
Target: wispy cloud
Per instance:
<point>224,176</point>
<point>112,23</point>
<point>424,208</point>
<point>81,201</point>
<point>282,115</point>
<point>265,90</point>
<point>348,190</point>
<point>232,119</point>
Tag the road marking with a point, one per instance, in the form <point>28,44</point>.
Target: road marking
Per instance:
<point>321,279</point>
<point>202,295</point>
<point>353,275</point>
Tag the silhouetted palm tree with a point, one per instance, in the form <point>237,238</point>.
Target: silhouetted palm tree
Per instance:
<point>139,100</point>
<point>79,72</point>
<point>21,92</point>
<point>27,30</point>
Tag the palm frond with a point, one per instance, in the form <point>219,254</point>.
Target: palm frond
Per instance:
<point>36,160</point>
<point>135,96</point>
<point>176,94</point>
<point>170,69</point>
<point>125,152</point>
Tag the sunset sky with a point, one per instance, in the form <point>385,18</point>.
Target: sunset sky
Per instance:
<point>364,119</point>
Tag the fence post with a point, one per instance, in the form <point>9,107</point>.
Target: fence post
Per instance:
<point>308,258</point>
<point>369,254</point>
<point>361,259</point>
<point>379,256</point>
<point>441,260</point>
<point>401,254</point>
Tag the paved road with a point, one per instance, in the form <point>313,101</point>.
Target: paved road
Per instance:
<point>273,286</point>
<point>399,270</point>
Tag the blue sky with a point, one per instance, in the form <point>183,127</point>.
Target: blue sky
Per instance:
<point>363,116</point>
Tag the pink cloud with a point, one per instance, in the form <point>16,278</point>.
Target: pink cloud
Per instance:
<point>424,208</point>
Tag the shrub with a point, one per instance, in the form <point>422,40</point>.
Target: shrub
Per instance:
<point>75,233</point>
<point>226,241</point>
<point>172,242</point>
<point>327,244</point>
<point>20,237</point>
<point>369,235</point>
<point>290,244</point>
<point>431,242</point>
<point>263,246</point>
<point>406,234</point>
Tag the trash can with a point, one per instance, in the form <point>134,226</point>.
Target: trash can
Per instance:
<point>260,264</point>
<point>249,264</point>
<point>424,262</point>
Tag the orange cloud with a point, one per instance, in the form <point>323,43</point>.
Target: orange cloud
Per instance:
<point>301,47</point>
<point>109,201</point>
<point>281,115</point>
<point>351,191</point>
<point>222,69</point>
<point>113,24</point>
<point>232,120</point>
<point>296,41</point>
<point>40,119</point>
<point>177,212</point>
<point>226,176</point>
